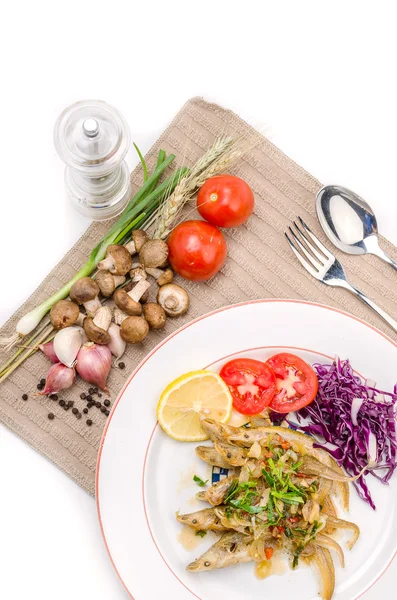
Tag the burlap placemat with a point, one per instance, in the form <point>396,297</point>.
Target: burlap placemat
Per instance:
<point>260,265</point>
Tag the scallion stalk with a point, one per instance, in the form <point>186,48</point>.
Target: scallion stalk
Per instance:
<point>141,206</point>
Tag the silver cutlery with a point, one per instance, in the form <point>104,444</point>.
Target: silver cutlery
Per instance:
<point>324,266</point>
<point>349,222</point>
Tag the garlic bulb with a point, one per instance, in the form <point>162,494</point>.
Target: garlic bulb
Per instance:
<point>59,377</point>
<point>93,364</point>
<point>117,344</point>
<point>67,343</point>
<point>48,350</point>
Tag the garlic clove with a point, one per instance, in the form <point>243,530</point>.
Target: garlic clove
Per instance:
<point>93,364</point>
<point>116,345</point>
<point>59,377</point>
<point>67,343</point>
<point>48,350</point>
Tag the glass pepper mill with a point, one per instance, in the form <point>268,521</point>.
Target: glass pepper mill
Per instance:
<point>93,138</point>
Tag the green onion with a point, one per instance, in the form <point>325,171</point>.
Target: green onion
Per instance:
<point>143,162</point>
<point>199,481</point>
<point>145,201</point>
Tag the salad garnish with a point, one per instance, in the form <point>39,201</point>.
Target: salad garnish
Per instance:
<point>356,421</point>
<point>199,481</point>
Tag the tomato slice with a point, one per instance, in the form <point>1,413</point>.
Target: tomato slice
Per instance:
<point>251,382</point>
<point>296,382</point>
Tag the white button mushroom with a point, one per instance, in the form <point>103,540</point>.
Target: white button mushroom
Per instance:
<point>174,299</point>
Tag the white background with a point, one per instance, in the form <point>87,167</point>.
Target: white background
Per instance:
<point>319,76</point>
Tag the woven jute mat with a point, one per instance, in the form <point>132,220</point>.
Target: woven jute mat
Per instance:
<point>260,265</point>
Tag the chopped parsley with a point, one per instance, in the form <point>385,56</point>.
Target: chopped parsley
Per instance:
<point>201,533</point>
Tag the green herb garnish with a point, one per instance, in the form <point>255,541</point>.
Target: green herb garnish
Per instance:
<point>201,533</point>
<point>199,481</point>
<point>270,511</point>
<point>252,510</point>
<point>268,477</point>
<point>297,554</point>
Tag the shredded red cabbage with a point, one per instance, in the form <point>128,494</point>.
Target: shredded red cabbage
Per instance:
<point>357,422</point>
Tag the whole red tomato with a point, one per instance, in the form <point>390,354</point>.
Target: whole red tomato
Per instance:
<point>197,250</point>
<point>225,201</point>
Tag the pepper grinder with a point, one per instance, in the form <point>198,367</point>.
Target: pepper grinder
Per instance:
<point>93,138</point>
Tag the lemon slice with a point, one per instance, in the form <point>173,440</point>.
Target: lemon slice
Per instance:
<point>192,394</point>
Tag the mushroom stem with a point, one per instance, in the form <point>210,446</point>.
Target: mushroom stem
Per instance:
<point>162,276</point>
<point>156,273</point>
<point>107,264</point>
<point>131,247</point>
<point>139,237</point>
<point>92,306</point>
<point>137,274</point>
<point>137,292</point>
<point>118,280</point>
<point>119,316</point>
<point>80,319</point>
<point>103,317</point>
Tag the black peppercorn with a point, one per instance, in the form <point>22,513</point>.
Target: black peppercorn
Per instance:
<point>121,365</point>
<point>103,409</point>
<point>78,416</point>
<point>85,411</point>
<point>53,396</point>
<point>89,398</point>
<point>89,422</point>
<point>91,391</point>
<point>62,403</point>
<point>51,416</point>
<point>75,411</point>
<point>98,404</point>
<point>83,396</point>
<point>107,412</point>
<point>24,396</point>
<point>106,402</point>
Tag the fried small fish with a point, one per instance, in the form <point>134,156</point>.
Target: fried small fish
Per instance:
<point>202,520</point>
<point>216,494</point>
<point>236,456</point>
<point>231,549</point>
<point>217,431</point>
<point>209,455</point>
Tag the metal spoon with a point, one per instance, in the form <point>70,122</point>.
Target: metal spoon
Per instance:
<point>349,222</point>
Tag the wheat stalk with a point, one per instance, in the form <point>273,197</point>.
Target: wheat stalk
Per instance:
<point>218,159</point>
<point>187,186</point>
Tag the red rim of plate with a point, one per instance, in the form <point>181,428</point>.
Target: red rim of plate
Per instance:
<point>160,345</point>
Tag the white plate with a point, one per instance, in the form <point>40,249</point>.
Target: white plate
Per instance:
<point>143,476</point>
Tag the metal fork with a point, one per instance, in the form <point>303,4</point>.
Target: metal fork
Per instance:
<point>324,266</point>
